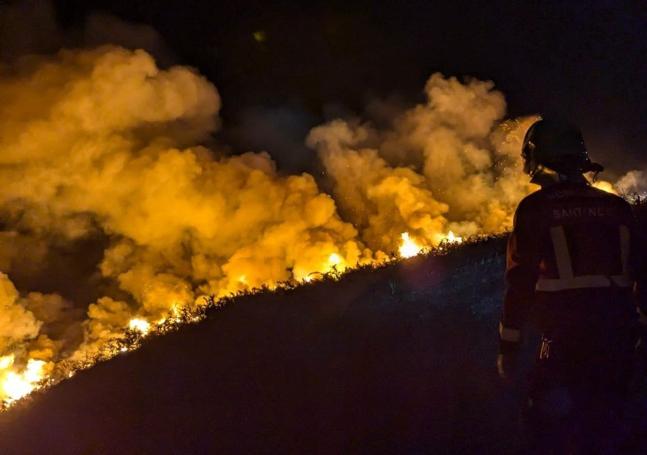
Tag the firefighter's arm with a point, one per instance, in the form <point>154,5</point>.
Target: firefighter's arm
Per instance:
<point>639,259</point>
<point>520,277</point>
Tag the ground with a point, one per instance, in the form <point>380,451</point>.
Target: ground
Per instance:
<point>395,360</point>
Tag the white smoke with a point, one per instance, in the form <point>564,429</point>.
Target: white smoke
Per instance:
<point>633,183</point>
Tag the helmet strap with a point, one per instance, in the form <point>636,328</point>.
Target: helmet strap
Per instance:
<point>594,176</point>
<point>537,169</point>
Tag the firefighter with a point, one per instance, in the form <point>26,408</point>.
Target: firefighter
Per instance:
<point>572,263</point>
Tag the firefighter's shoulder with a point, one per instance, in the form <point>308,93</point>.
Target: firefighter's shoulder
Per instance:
<point>610,198</point>
<point>532,200</point>
<point>529,208</point>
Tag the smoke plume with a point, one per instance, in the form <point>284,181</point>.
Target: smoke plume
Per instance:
<point>102,151</point>
<point>448,164</point>
<point>103,142</point>
<point>633,183</point>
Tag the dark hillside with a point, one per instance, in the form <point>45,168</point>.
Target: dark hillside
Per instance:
<point>395,360</point>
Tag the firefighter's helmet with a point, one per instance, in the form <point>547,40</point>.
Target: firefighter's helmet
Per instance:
<point>558,146</point>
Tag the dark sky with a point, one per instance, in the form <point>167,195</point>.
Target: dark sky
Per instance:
<point>582,60</point>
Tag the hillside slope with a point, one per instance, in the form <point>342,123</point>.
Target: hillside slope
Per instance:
<point>399,359</point>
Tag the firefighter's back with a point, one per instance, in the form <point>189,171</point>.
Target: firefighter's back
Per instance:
<point>584,236</point>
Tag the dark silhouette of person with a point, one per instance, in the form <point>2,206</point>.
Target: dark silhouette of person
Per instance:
<point>574,267</point>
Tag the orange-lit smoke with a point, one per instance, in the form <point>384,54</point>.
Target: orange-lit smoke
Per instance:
<point>451,163</point>
<point>103,143</point>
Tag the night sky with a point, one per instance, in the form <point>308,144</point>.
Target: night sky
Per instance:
<point>581,60</point>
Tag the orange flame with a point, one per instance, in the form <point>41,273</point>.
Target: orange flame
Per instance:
<point>409,247</point>
<point>16,384</point>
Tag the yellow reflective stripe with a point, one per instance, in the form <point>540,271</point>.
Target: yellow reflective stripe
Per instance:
<point>625,244</point>
<point>582,281</point>
<point>578,282</point>
<point>624,281</point>
<point>508,334</point>
<point>562,255</point>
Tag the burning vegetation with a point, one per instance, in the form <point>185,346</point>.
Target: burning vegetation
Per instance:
<point>104,144</point>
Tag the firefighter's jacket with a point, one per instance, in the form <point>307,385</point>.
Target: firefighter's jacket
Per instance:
<point>573,258</point>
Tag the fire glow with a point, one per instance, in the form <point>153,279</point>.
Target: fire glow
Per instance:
<point>408,247</point>
<point>104,144</point>
<point>140,325</point>
<point>16,384</point>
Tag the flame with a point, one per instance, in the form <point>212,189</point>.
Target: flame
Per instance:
<point>6,361</point>
<point>408,247</point>
<point>334,259</point>
<point>139,325</point>
<point>452,238</point>
<point>15,385</point>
